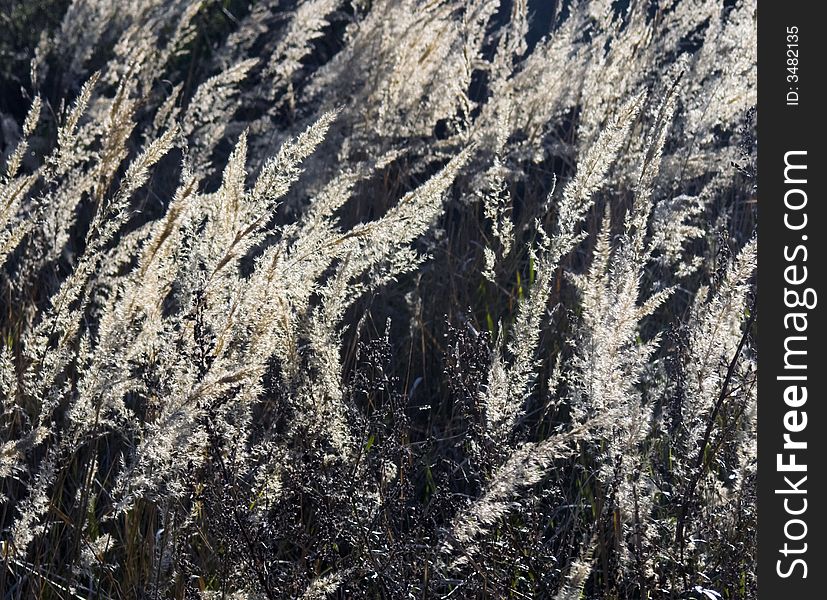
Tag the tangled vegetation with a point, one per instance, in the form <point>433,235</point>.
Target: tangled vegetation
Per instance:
<point>377,299</point>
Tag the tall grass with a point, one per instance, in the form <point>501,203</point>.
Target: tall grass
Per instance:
<point>388,299</point>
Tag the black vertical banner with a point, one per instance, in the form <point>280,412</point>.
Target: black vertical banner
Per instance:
<point>792,425</point>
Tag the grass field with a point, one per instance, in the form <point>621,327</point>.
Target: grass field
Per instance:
<point>377,299</point>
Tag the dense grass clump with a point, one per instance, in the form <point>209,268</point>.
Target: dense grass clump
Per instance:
<point>377,299</point>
